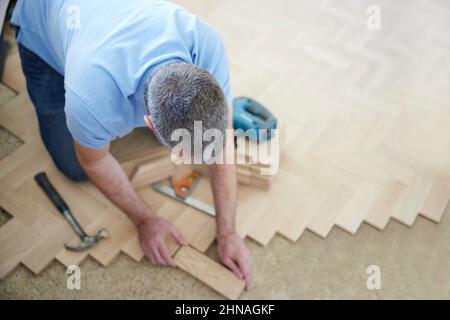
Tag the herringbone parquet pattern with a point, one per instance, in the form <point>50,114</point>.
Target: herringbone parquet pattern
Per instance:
<point>371,110</point>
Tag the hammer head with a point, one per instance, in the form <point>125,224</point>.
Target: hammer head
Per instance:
<point>87,241</point>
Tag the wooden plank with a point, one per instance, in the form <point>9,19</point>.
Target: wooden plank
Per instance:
<point>323,221</point>
<point>288,209</point>
<point>153,198</point>
<point>85,211</point>
<point>138,144</point>
<point>19,117</point>
<point>252,204</point>
<point>437,199</point>
<point>300,205</point>
<point>15,160</point>
<point>12,74</point>
<point>243,177</point>
<point>21,234</point>
<point>198,228</point>
<point>52,236</point>
<point>120,231</point>
<point>32,163</point>
<point>334,184</point>
<point>209,272</point>
<point>48,244</point>
<point>151,172</point>
<point>412,200</point>
<point>12,251</point>
<point>384,205</point>
<point>133,248</point>
<point>356,209</point>
<point>67,257</point>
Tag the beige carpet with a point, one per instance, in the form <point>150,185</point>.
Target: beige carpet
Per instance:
<point>413,261</point>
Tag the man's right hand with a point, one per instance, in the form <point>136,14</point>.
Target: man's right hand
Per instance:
<point>106,173</point>
<point>153,232</point>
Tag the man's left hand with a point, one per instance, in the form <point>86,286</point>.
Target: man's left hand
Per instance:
<point>236,256</point>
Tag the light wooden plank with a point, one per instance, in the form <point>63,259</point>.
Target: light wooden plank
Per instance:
<point>133,248</point>
<point>198,228</point>
<point>19,117</point>
<point>67,257</point>
<point>21,234</point>
<point>356,209</point>
<point>294,203</point>
<point>437,199</point>
<point>412,200</point>
<point>303,207</point>
<point>12,252</point>
<point>209,272</point>
<point>252,204</point>
<point>140,143</point>
<point>12,74</point>
<point>323,221</point>
<point>384,205</point>
<point>120,231</point>
<point>151,172</point>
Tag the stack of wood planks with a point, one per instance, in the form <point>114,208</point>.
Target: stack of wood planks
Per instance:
<point>258,163</point>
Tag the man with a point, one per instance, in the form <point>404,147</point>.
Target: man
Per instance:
<point>96,70</point>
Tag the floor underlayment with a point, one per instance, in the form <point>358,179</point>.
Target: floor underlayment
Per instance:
<point>373,113</point>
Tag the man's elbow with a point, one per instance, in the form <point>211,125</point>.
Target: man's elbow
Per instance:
<point>90,159</point>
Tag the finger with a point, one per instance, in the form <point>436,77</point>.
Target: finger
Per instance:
<point>158,259</point>
<point>248,257</point>
<point>178,236</point>
<point>244,267</point>
<point>166,256</point>
<point>232,265</point>
<point>150,257</point>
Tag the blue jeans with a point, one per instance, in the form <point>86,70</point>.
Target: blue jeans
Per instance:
<point>46,89</point>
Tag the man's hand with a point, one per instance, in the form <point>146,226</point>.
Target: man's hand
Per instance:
<point>153,233</point>
<point>106,173</point>
<point>236,256</point>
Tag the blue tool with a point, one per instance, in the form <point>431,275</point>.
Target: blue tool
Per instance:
<point>249,114</point>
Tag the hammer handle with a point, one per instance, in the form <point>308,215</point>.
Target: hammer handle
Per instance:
<point>42,179</point>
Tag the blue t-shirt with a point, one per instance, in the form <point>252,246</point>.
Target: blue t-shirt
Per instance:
<point>107,50</point>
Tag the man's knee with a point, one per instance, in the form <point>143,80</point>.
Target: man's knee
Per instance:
<point>76,177</point>
<point>72,171</point>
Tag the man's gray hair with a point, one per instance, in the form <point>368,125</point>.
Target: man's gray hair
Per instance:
<point>179,94</point>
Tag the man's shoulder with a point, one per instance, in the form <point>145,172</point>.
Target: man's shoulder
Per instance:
<point>84,123</point>
<point>92,82</point>
<point>95,107</point>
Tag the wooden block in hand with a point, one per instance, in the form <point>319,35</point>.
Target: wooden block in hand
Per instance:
<point>209,272</point>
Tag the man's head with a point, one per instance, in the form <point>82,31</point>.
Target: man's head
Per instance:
<point>179,94</point>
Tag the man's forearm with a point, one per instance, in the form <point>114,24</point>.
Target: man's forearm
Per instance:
<point>224,185</point>
<point>110,178</point>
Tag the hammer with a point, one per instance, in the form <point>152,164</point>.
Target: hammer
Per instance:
<point>87,241</point>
